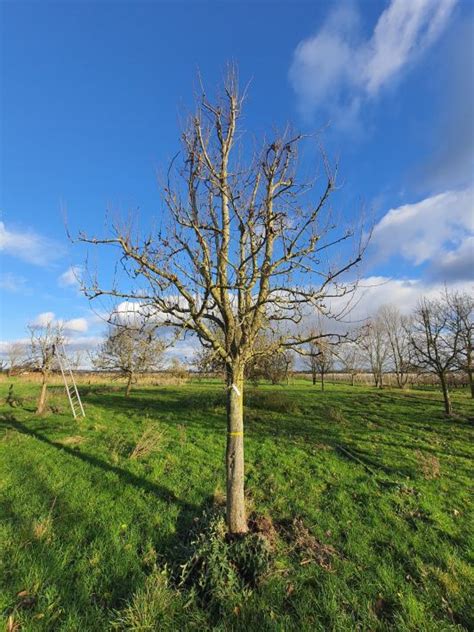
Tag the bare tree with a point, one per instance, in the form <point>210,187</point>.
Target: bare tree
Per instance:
<point>350,357</point>
<point>244,247</point>
<point>275,367</point>
<point>311,363</point>
<point>397,327</point>
<point>44,339</point>
<point>461,326</point>
<point>130,350</point>
<point>16,354</point>
<point>206,361</point>
<point>435,346</point>
<point>319,357</point>
<point>373,340</point>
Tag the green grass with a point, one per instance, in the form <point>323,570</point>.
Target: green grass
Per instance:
<point>369,493</point>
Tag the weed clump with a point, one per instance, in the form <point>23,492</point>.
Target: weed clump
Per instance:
<point>335,415</point>
<point>12,399</point>
<point>277,402</point>
<point>219,571</point>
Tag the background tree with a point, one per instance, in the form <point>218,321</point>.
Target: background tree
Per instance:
<point>275,367</point>
<point>16,357</point>
<point>349,356</point>
<point>243,247</point>
<point>461,327</point>
<point>310,361</point>
<point>207,361</point>
<point>435,345</point>
<point>320,357</point>
<point>178,369</point>
<point>130,350</point>
<point>44,339</point>
<point>397,327</point>
<point>374,342</point>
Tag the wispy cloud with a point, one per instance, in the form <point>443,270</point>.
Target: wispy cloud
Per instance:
<point>337,69</point>
<point>29,246</point>
<point>12,282</point>
<point>70,277</point>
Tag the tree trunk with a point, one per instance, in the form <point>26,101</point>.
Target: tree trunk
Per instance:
<point>314,379</point>
<point>236,517</point>
<point>447,400</point>
<point>322,380</point>
<point>42,398</point>
<point>352,379</point>
<point>471,381</point>
<point>129,385</point>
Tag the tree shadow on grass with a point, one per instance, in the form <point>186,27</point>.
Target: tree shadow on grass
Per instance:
<point>187,510</point>
<point>64,565</point>
<point>313,423</point>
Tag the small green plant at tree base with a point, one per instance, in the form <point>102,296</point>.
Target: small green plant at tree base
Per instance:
<point>221,570</point>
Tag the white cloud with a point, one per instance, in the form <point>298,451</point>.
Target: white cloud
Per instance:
<point>11,282</point>
<point>75,325</point>
<point>375,291</point>
<point>29,246</point>
<point>43,320</point>
<point>70,277</point>
<point>430,228</point>
<point>337,68</point>
<point>84,343</point>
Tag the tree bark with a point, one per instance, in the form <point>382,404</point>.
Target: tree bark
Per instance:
<point>447,400</point>
<point>42,398</point>
<point>236,516</point>
<point>314,379</point>
<point>129,385</point>
<point>322,380</point>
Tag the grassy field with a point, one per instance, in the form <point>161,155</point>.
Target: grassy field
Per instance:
<point>362,500</point>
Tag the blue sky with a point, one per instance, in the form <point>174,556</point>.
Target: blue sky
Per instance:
<point>92,95</point>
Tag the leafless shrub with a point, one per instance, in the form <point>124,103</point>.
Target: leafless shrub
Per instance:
<point>149,442</point>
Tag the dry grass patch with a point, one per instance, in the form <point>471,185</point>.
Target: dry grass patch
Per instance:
<point>429,465</point>
<point>151,441</point>
<point>72,440</point>
<point>310,548</point>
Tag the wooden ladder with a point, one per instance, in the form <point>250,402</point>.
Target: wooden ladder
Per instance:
<point>71,387</point>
